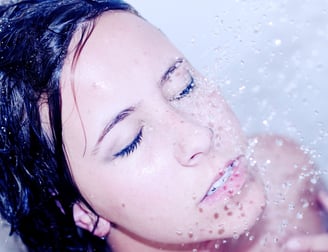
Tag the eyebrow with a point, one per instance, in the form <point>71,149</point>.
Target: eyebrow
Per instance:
<point>170,70</point>
<point>111,124</point>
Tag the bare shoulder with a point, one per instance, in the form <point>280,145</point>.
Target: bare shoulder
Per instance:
<point>283,158</point>
<point>290,181</point>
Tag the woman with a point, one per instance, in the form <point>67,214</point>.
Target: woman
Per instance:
<point>108,131</point>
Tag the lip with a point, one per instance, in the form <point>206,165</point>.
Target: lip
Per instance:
<point>234,181</point>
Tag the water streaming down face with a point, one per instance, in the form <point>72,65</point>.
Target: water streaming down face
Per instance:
<point>270,56</point>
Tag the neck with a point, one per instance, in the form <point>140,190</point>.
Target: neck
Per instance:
<point>120,241</point>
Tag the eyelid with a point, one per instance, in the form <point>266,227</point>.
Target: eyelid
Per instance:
<point>185,90</point>
<point>132,146</point>
<point>171,70</point>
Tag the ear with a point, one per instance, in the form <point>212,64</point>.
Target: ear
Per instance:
<point>86,219</point>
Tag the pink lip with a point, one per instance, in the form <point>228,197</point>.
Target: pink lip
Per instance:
<point>233,184</point>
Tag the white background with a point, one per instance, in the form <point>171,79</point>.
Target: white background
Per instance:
<point>269,57</point>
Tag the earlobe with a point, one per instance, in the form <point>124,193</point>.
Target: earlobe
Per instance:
<point>86,219</point>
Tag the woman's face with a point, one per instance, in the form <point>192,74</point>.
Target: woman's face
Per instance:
<point>152,146</point>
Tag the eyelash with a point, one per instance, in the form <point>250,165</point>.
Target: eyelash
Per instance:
<point>131,147</point>
<point>189,88</point>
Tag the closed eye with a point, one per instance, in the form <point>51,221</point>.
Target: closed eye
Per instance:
<point>130,148</point>
<point>188,89</point>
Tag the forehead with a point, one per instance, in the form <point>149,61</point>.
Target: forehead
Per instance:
<point>120,42</point>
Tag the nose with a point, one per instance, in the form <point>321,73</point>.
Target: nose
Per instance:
<point>193,142</point>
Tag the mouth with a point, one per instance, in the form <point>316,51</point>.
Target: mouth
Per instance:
<point>230,180</point>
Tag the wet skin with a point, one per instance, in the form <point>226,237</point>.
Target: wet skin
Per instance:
<point>147,137</point>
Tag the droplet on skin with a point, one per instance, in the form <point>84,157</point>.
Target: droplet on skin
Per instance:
<point>299,215</point>
<point>291,206</point>
<point>314,181</point>
<point>179,233</point>
<point>190,235</point>
<point>235,236</point>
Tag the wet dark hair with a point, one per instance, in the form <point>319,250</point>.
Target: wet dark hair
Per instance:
<point>36,189</point>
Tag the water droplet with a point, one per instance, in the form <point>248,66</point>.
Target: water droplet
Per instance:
<point>284,224</point>
<point>277,42</point>
<point>279,142</point>
<point>305,203</point>
<point>299,216</point>
<point>178,233</point>
<point>314,181</point>
<point>291,206</point>
<point>251,238</point>
<point>242,89</point>
<point>235,236</point>
<point>216,245</point>
<point>265,123</point>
